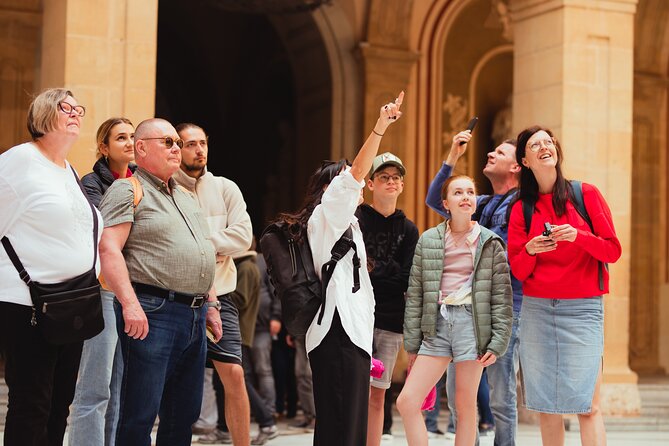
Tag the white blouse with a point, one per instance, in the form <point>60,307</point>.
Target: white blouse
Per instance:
<point>46,217</point>
<point>328,222</point>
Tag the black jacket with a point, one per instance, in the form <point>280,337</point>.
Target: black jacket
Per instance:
<point>390,243</point>
<point>97,182</point>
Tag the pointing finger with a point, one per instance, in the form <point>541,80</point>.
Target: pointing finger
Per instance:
<point>399,99</point>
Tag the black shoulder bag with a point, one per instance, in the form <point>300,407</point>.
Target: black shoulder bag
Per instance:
<point>69,311</point>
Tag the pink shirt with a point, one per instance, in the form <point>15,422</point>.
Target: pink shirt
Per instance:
<point>458,259</point>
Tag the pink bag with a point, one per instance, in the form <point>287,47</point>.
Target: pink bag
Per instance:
<point>377,368</point>
<point>430,399</point>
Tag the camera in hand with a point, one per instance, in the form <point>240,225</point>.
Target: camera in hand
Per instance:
<point>548,230</point>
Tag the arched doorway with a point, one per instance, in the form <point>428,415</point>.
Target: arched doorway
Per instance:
<point>467,74</point>
<point>263,97</point>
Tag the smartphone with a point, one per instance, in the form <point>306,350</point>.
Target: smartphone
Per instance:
<point>471,126</point>
<point>210,334</point>
<point>548,230</point>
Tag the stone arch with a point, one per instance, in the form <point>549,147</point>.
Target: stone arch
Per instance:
<point>445,91</point>
<point>649,276</point>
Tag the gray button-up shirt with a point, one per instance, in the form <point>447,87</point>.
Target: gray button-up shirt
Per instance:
<point>168,245</point>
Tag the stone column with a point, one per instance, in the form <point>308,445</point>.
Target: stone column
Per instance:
<point>573,72</point>
<point>105,52</point>
<point>387,65</point>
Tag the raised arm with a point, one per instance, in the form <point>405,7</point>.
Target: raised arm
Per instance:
<point>388,114</point>
<point>433,198</point>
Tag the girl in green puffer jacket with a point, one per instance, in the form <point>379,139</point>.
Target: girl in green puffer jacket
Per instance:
<point>459,308</point>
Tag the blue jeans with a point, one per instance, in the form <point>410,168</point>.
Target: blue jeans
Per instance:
<point>502,382</point>
<point>163,374</point>
<point>262,368</point>
<point>95,406</point>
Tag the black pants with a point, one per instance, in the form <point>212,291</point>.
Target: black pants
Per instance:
<point>41,378</point>
<point>340,372</point>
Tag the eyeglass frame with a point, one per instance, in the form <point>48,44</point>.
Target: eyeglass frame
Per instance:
<point>165,138</point>
<point>548,143</point>
<point>399,177</point>
<point>73,108</point>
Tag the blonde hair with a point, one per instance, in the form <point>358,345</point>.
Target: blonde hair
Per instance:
<point>102,135</point>
<point>43,111</point>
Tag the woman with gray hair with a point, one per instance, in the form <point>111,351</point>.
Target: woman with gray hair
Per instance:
<point>48,220</point>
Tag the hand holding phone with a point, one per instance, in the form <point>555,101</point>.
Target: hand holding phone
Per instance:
<point>470,126</point>
<point>548,230</point>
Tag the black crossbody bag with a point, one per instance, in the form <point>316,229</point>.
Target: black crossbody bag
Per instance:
<point>69,311</point>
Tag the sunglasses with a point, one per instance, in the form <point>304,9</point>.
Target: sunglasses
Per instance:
<point>169,141</point>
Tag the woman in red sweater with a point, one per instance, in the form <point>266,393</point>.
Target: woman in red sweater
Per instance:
<point>562,316</point>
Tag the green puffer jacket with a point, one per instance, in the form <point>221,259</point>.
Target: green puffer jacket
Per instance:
<point>491,292</point>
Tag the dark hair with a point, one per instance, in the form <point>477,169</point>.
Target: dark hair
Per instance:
<point>320,178</point>
<point>187,125</point>
<point>529,188</point>
<point>512,141</point>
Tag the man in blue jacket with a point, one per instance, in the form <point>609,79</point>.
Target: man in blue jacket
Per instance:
<point>492,212</point>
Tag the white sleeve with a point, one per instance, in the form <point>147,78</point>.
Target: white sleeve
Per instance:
<point>340,200</point>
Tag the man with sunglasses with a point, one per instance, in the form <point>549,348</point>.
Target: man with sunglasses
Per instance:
<point>158,260</point>
<point>390,239</point>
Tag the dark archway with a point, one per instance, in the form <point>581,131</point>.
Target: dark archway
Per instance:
<point>236,75</point>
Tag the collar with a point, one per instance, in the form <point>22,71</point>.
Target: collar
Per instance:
<point>155,181</point>
<point>186,180</point>
<point>473,235</point>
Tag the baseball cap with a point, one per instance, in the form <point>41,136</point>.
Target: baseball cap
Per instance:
<point>387,159</point>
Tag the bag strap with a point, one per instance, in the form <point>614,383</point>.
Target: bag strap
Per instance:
<point>95,217</point>
<point>339,250</point>
<point>579,205</point>
<point>497,206</point>
<point>137,191</point>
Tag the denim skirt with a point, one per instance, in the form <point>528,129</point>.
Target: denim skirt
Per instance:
<point>561,347</point>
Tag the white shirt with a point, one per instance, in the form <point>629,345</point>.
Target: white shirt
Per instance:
<point>46,217</point>
<point>328,222</point>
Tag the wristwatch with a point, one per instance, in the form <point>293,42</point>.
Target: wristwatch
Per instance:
<point>214,303</point>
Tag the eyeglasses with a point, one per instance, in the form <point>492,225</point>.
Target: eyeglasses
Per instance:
<point>67,108</point>
<point>536,145</point>
<point>384,178</point>
<point>169,141</point>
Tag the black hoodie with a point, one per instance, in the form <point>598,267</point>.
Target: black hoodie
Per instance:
<point>390,243</point>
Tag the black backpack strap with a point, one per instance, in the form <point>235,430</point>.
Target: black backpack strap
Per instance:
<point>579,205</point>
<point>339,250</point>
<point>480,206</point>
<point>528,210</point>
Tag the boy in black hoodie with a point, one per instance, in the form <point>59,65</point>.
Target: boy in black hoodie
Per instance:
<point>390,240</point>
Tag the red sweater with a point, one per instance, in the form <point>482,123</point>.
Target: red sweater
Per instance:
<point>571,270</point>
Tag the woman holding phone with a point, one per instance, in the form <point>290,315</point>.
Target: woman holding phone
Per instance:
<point>560,262</point>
